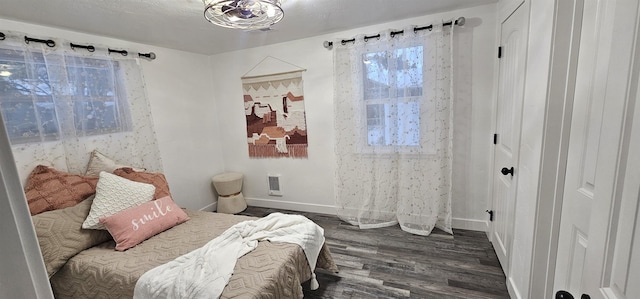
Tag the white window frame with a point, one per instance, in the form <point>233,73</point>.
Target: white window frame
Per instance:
<point>426,142</point>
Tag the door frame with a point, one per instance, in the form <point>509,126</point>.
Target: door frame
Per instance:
<point>27,275</point>
<point>555,146</point>
<point>559,106</point>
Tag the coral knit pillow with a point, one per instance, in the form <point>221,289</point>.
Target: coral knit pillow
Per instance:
<point>156,179</point>
<point>49,189</point>
<point>134,225</point>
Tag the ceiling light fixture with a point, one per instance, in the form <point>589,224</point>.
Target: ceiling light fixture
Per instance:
<point>243,14</point>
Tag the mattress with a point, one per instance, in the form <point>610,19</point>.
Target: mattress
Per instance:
<point>272,270</point>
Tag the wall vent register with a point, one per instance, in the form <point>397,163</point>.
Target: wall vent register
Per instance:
<point>273,182</point>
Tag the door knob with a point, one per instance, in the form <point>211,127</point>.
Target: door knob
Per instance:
<point>563,294</point>
<point>506,171</point>
<point>567,295</point>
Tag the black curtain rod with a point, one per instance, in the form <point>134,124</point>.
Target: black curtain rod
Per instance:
<point>51,43</point>
<point>150,55</point>
<point>89,48</point>
<point>460,22</point>
<point>123,52</point>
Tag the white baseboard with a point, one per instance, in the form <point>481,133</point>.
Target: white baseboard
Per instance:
<point>210,208</point>
<point>470,224</point>
<point>513,291</point>
<point>294,206</point>
<point>459,223</point>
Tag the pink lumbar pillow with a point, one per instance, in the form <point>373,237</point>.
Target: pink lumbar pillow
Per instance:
<point>132,226</point>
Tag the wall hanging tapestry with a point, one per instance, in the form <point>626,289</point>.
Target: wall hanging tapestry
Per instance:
<point>275,114</point>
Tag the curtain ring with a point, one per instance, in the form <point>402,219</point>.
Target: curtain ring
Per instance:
<point>394,33</point>
<point>377,36</point>
<point>89,48</point>
<point>122,52</point>
<point>50,43</point>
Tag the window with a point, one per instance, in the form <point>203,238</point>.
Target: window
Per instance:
<point>38,95</point>
<point>392,94</point>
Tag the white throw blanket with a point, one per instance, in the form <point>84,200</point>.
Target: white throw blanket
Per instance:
<point>204,272</point>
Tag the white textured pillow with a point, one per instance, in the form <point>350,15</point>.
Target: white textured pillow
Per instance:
<point>114,194</point>
<point>99,162</point>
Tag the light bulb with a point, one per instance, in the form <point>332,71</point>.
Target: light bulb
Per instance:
<point>271,12</point>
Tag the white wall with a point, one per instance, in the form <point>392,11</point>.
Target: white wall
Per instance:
<point>308,183</point>
<point>200,128</point>
<point>178,87</point>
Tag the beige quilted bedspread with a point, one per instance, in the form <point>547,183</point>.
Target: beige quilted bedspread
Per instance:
<point>272,270</point>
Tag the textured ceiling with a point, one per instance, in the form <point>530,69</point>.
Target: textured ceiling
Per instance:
<point>179,24</point>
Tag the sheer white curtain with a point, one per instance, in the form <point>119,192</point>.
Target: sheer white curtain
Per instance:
<point>60,104</point>
<point>393,121</point>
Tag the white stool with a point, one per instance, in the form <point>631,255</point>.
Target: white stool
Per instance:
<point>229,188</point>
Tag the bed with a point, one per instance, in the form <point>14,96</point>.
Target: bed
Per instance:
<point>83,263</point>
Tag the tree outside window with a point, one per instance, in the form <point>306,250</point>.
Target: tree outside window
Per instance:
<point>31,100</point>
<point>392,89</point>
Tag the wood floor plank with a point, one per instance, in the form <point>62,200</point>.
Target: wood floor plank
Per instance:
<point>390,263</point>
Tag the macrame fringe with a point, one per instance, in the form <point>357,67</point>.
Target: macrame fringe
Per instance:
<point>270,151</point>
<point>314,282</point>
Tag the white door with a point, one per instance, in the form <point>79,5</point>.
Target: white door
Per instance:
<point>513,41</point>
<point>598,229</point>
<point>612,267</point>
<point>617,274</point>
<point>586,124</point>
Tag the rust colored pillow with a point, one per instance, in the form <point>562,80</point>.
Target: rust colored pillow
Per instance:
<point>156,179</point>
<point>50,189</point>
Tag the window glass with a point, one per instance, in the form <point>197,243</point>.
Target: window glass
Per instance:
<point>376,129</point>
<point>408,81</point>
<point>31,109</point>
<point>376,75</point>
<point>393,87</point>
<point>95,95</point>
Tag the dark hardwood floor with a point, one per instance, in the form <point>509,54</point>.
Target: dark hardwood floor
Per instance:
<point>391,263</point>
